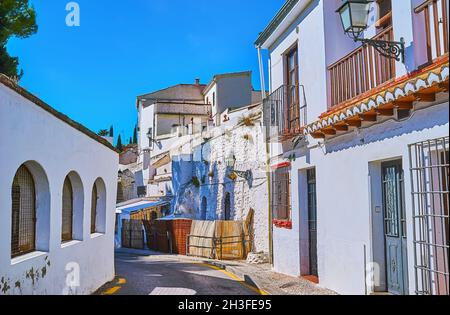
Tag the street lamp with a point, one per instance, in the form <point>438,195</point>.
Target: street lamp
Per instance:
<point>354,17</point>
<point>231,163</point>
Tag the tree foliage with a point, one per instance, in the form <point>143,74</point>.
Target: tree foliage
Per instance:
<point>119,145</point>
<point>135,135</point>
<point>17,19</point>
<point>103,133</point>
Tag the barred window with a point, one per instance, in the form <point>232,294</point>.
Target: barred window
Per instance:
<point>94,200</point>
<point>23,232</point>
<point>67,211</point>
<point>281,205</point>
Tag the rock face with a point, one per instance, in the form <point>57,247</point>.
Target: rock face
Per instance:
<point>257,258</point>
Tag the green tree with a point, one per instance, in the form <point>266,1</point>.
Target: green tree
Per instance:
<point>119,145</point>
<point>17,19</point>
<point>135,135</point>
<point>111,131</point>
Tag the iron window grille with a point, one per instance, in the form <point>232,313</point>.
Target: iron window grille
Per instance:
<point>94,200</point>
<point>23,232</point>
<point>430,193</point>
<point>67,211</point>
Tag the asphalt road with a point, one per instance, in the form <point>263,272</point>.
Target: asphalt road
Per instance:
<point>162,275</point>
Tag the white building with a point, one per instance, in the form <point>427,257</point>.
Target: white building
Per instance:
<point>168,115</point>
<point>57,200</point>
<point>359,147</point>
<point>221,174</point>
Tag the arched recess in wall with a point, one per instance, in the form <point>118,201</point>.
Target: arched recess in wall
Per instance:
<point>72,208</point>
<point>98,203</point>
<point>120,193</point>
<point>227,207</point>
<point>30,210</point>
<point>204,209</point>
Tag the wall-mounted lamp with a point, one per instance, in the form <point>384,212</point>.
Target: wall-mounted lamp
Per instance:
<point>231,163</point>
<point>354,17</point>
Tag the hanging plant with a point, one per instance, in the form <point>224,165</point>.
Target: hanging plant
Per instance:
<point>195,181</point>
<point>203,179</point>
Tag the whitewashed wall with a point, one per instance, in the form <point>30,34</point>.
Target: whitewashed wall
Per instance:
<point>53,149</point>
<point>344,200</point>
<point>194,159</point>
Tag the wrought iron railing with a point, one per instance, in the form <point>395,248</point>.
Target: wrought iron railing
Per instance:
<point>285,112</point>
<point>436,27</point>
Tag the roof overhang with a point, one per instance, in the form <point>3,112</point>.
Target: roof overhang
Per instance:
<point>281,22</point>
<point>400,94</point>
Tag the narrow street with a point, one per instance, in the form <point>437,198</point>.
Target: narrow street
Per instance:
<point>161,275</point>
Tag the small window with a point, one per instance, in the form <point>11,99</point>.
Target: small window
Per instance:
<point>94,200</point>
<point>281,203</point>
<point>23,234</point>
<point>67,211</point>
<point>385,14</point>
<point>214,99</point>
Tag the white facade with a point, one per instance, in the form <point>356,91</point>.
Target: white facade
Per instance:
<point>205,158</point>
<point>348,166</point>
<point>51,148</point>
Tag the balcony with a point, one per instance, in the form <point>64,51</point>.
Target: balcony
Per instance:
<point>284,115</point>
<point>362,70</point>
<point>434,14</point>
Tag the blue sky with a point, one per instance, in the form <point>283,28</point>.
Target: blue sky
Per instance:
<point>122,49</point>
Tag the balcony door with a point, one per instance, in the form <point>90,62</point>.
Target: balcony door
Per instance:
<point>291,81</point>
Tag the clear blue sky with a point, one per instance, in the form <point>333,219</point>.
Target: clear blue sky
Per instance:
<point>123,49</point>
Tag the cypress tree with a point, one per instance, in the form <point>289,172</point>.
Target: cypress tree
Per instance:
<point>111,131</point>
<point>135,135</point>
<point>119,144</point>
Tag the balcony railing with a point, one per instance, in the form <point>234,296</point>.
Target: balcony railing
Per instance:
<point>360,71</point>
<point>436,27</point>
<point>285,112</point>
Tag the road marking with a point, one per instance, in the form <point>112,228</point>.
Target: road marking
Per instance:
<point>111,291</point>
<point>236,278</point>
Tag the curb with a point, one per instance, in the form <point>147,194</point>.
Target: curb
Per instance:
<point>244,277</point>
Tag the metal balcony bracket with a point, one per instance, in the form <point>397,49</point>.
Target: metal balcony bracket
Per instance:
<point>388,49</point>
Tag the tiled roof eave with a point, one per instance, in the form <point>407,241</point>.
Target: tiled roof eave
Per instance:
<point>403,87</point>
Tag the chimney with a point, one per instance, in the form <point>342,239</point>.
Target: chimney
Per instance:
<point>197,81</point>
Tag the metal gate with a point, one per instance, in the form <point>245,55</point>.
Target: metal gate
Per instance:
<point>312,222</point>
<point>430,193</point>
<point>132,234</point>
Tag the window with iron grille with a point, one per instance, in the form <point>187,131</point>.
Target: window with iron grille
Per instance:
<point>94,199</point>
<point>430,191</point>
<point>281,204</point>
<point>67,211</point>
<point>23,233</point>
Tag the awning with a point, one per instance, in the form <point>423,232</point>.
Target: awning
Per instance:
<point>133,208</point>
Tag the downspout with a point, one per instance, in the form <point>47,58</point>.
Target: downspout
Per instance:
<point>268,174</point>
<point>261,74</point>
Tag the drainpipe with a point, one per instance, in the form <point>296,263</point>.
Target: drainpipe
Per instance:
<point>268,174</point>
<point>261,73</point>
